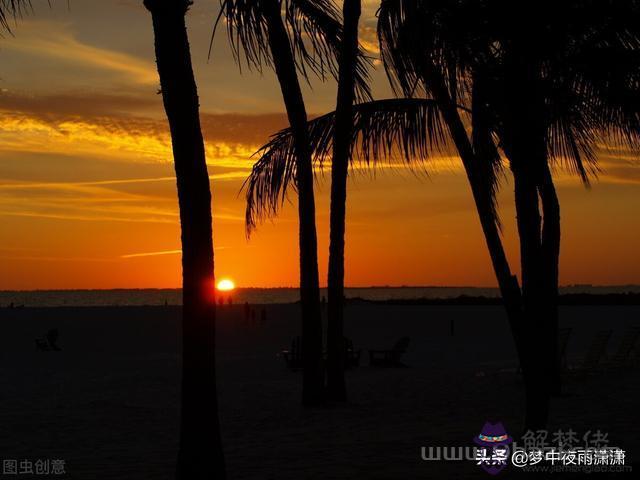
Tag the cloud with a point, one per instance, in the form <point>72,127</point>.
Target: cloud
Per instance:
<point>127,181</point>
<point>65,123</point>
<point>160,253</point>
<point>54,40</point>
<point>151,254</point>
<point>78,104</point>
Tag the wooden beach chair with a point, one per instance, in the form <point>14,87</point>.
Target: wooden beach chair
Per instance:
<point>623,355</point>
<point>391,357</point>
<point>293,357</point>
<point>42,345</point>
<point>49,341</point>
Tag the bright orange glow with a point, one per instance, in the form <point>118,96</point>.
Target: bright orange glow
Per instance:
<point>88,190</point>
<point>226,285</point>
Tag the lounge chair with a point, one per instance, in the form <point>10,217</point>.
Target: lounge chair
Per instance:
<point>293,357</point>
<point>389,358</point>
<point>42,345</point>
<point>627,345</point>
<point>49,341</point>
<point>52,338</point>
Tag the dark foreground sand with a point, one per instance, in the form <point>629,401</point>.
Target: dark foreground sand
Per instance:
<point>108,403</point>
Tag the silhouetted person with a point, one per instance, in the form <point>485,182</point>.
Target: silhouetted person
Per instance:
<point>253,316</point>
<point>263,316</point>
<point>221,301</point>
<point>229,300</point>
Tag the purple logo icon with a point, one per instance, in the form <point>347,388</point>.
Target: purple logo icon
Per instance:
<point>492,453</point>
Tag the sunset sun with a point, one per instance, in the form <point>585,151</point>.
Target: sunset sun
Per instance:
<point>226,285</point>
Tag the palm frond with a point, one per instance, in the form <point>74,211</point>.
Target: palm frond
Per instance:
<point>488,168</point>
<point>315,36</point>
<point>247,31</point>
<point>449,34</point>
<point>10,9</point>
<point>383,130</point>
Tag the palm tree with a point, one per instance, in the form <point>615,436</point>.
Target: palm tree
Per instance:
<point>200,453</point>
<point>534,90</point>
<point>307,40</point>
<point>336,388</point>
<point>415,129</point>
<point>567,111</point>
<point>445,53</point>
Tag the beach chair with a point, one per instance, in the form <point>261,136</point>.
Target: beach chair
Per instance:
<point>42,345</point>
<point>49,341</point>
<point>52,339</point>
<point>293,357</point>
<point>626,348</point>
<point>389,358</point>
<point>597,350</point>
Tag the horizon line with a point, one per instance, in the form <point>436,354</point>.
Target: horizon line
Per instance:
<point>570,285</point>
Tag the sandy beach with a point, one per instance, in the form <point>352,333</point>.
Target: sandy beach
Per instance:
<point>108,402</point>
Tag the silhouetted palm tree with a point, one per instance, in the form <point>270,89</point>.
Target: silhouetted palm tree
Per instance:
<point>566,63</point>
<point>336,388</point>
<point>307,39</point>
<point>426,48</point>
<point>531,84</point>
<point>442,49</point>
<point>200,455</point>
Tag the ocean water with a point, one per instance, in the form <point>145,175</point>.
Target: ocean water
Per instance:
<point>123,297</point>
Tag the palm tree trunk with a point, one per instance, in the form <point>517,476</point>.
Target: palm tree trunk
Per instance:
<point>525,144</point>
<point>507,282</point>
<point>536,399</point>
<point>313,371</point>
<point>550,264</point>
<point>336,388</point>
<point>200,453</point>
<point>534,369</point>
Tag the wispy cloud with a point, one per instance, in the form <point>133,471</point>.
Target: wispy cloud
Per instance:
<point>152,254</point>
<point>161,252</point>
<point>101,183</point>
<point>54,40</point>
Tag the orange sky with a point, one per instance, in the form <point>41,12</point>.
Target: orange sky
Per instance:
<point>87,194</point>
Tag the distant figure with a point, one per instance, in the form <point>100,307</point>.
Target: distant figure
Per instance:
<point>247,311</point>
<point>11,305</point>
<point>253,316</point>
<point>221,301</point>
<point>324,302</point>
<point>263,316</point>
<point>229,300</point>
